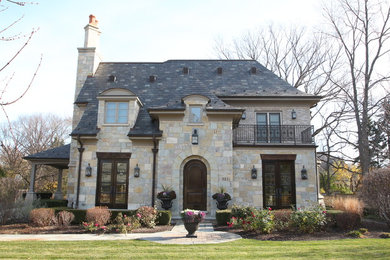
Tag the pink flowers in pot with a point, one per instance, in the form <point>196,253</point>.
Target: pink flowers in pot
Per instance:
<point>192,216</point>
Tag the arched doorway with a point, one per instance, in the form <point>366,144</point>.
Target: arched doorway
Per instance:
<point>195,185</point>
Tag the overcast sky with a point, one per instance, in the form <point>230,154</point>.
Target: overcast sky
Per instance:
<point>143,30</point>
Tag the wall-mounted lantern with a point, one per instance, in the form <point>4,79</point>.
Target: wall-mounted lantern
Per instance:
<point>88,171</point>
<point>254,173</point>
<point>243,117</point>
<point>136,171</point>
<point>195,137</point>
<point>304,173</point>
<point>293,114</point>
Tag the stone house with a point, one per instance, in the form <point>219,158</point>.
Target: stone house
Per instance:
<point>196,125</point>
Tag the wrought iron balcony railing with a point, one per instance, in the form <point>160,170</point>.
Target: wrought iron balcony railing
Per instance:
<point>272,134</point>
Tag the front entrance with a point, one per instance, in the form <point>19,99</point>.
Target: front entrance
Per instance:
<point>112,184</point>
<point>278,184</point>
<point>195,185</point>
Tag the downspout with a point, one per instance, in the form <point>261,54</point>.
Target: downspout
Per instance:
<point>316,166</point>
<point>154,150</point>
<point>81,150</point>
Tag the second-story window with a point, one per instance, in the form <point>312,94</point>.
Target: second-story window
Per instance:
<point>116,113</point>
<point>268,127</point>
<point>195,114</point>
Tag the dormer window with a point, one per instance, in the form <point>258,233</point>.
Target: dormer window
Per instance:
<point>195,114</point>
<point>116,113</point>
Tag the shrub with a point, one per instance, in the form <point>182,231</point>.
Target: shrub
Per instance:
<point>282,219</point>
<point>64,218</point>
<point>241,211</point>
<point>94,227</point>
<point>10,198</point>
<point>258,220</point>
<point>376,192</point>
<point>148,216</point>
<point>54,203</point>
<point>384,235</point>
<point>42,217</point>
<point>349,204</point>
<point>98,215</point>
<point>363,230</point>
<point>331,217</point>
<point>115,213</point>
<point>348,220</point>
<point>124,223</point>
<point>79,214</point>
<point>355,233</point>
<point>164,217</point>
<point>223,217</point>
<point>309,220</point>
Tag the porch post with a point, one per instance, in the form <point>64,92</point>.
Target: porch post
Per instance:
<point>31,193</point>
<point>58,194</point>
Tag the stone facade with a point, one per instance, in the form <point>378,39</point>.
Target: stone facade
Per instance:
<point>227,166</point>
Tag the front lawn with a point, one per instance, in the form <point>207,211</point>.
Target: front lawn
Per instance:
<point>241,249</point>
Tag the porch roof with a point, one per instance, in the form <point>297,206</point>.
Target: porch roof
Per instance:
<point>57,157</point>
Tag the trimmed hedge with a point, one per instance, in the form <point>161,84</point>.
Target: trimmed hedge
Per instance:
<point>223,217</point>
<point>164,217</point>
<point>79,214</point>
<point>48,203</point>
<point>331,217</point>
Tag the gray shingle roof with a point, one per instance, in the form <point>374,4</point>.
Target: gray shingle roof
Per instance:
<point>172,85</point>
<point>61,152</point>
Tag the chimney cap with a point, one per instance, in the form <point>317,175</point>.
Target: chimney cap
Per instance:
<point>92,20</point>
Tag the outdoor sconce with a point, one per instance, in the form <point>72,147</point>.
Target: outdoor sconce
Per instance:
<point>304,173</point>
<point>243,117</point>
<point>293,114</point>
<point>88,171</point>
<point>136,171</point>
<point>254,173</point>
<point>195,137</point>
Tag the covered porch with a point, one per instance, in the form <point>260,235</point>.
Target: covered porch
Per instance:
<point>58,158</point>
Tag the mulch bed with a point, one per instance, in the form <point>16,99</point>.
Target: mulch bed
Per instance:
<point>374,230</point>
<point>27,229</point>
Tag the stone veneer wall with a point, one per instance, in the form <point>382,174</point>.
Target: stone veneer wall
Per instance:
<point>248,191</point>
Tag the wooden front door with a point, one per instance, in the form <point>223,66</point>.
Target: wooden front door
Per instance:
<point>278,184</point>
<point>113,179</point>
<point>195,185</point>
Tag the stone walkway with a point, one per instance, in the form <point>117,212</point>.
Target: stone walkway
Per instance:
<point>205,233</point>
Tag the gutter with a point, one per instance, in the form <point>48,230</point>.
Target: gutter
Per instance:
<point>81,150</point>
<point>155,151</point>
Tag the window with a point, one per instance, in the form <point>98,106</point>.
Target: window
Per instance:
<point>268,127</point>
<point>195,114</point>
<point>116,113</point>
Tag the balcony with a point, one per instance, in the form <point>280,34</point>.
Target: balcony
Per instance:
<point>253,135</point>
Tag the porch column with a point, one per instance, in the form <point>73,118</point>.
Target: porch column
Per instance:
<point>58,194</point>
<point>31,193</point>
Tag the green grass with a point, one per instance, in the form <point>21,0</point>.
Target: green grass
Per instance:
<point>241,249</point>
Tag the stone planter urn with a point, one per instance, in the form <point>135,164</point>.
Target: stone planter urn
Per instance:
<point>191,219</point>
<point>222,199</point>
<point>191,228</point>
<point>166,203</point>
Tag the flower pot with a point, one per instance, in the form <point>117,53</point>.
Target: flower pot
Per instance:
<point>166,203</point>
<point>222,204</point>
<point>191,227</point>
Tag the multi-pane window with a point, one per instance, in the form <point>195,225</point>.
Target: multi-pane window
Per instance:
<point>116,113</point>
<point>195,114</point>
<point>268,127</point>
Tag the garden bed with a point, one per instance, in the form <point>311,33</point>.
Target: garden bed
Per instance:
<point>375,229</point>
<point>74,229</point>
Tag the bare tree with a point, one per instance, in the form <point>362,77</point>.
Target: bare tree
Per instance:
<point>304,60</point>
<point>7,77</point>
<point>362,30</point>
<point>29,135</point>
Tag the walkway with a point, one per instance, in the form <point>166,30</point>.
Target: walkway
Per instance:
<point>205,233</point>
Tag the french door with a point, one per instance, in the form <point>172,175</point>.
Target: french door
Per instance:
<point>268,127</point>
<point>278,184</point>
<point>113,179</point>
